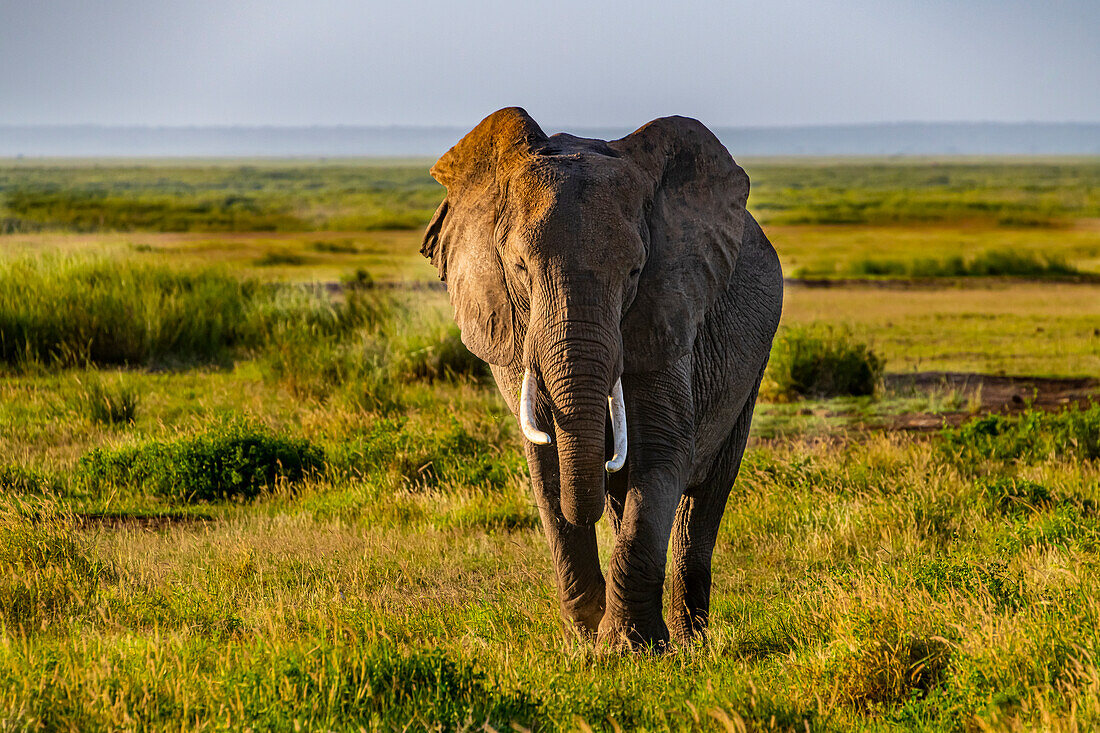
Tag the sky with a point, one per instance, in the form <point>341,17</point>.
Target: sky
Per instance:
<point>570,63</point>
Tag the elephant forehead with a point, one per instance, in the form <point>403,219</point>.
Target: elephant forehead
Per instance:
<point>577,186</point>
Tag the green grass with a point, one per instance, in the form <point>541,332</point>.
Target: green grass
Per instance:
<point>78,311</point>
<point>1006,192</point>
<point>863,585</point>
<point>229,499</point>
<point>237,196</point>
<point>215,197</point>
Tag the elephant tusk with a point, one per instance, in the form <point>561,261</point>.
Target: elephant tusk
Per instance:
<point>527,410</point>
<point>618,427</point>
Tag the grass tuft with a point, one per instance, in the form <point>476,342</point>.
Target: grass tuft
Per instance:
<point>109,404</point>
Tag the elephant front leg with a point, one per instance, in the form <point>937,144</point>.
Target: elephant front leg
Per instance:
<point>659,420</point>
<point>576,557</point>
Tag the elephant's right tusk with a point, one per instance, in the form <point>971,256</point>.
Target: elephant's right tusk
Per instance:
<point>527,410</point>
<point>618,427</point>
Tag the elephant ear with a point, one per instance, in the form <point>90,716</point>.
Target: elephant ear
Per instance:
<point>461,240</point>
<point>695,221</point>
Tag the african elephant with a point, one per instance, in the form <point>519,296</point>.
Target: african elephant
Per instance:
<point>622,296</point>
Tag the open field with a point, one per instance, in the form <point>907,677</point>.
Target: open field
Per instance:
<point>230,499</point>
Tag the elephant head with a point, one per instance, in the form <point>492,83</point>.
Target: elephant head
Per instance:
<point>577,260</point>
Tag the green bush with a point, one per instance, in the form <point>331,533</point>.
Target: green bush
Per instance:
<point>236,461</point>
<point>1031,436</point>
<point>816,362</point>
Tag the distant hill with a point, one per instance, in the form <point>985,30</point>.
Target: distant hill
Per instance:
<point>901,138</point>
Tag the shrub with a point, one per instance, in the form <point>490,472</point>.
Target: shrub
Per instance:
<point>236,461</point>
<point>816,362</point>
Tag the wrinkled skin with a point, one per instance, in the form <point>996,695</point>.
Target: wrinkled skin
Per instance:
<point>586,261</point>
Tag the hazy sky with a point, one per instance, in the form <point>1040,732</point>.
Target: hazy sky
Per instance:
<point>571,62</point>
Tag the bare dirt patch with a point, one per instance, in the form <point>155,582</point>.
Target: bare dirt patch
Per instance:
<point>989,394</point>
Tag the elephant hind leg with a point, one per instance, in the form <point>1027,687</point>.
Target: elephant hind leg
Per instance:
<point>695,532</point>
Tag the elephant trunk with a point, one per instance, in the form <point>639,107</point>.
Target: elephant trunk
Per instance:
<point>578,370</point>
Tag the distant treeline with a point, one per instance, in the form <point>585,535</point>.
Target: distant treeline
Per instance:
<point>348,196</point>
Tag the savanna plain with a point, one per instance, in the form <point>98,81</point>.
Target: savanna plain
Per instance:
<point>250,477</point>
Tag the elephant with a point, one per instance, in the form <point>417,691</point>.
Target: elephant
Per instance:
<point>625,301</point>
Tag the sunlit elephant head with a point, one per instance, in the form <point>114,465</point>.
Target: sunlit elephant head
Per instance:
<point>576,260</point>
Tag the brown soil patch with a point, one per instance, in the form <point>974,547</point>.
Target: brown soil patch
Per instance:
<point>992,394</point>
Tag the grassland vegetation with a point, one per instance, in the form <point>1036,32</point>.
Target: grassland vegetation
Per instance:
<point>994,263</point>
<point>233,498</point>
<point>341,196</point>
<point>821,362</point>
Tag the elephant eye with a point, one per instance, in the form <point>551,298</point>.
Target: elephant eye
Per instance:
<point>635,272</point>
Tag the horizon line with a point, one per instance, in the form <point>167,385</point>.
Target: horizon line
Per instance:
<point>452,126</point>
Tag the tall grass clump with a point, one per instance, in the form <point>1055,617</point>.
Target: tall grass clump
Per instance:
<point>229,462</point>
<point>108,404</point>
<point>317,346</point>
<point>77,311</point>
<point>822,362</point>
<point>440,355</point>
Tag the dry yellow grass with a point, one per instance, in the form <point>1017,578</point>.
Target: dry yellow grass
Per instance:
<point>992,327</point>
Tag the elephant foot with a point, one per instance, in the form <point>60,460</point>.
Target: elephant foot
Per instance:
<point>690,629</point>
<point>583,615</point>
<point>634,635</point>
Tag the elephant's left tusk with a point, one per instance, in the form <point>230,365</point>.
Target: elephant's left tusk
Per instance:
<point>618,427</point>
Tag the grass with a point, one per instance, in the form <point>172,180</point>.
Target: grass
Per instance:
<point>110,404</point>
<point>313,512</point>
<point>72,312</point>
<point>239,196</point>
<point>990,328</point>
<point>863,585</point>
<point>214,197</point>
